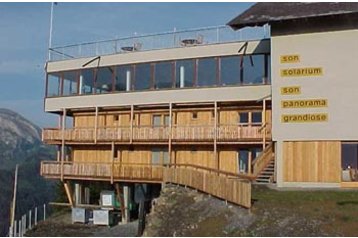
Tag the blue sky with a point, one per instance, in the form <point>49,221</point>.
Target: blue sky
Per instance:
<point>25,31</point>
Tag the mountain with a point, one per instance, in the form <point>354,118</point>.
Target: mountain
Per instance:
<point>20,143</point>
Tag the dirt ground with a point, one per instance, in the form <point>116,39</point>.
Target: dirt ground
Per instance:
<point>184,212</point>
<point>59,225</point>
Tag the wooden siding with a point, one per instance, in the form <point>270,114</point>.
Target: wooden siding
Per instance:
<point>91,154</point>
<point>318,161</point>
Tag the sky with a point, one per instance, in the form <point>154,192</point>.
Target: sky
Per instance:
<point>25,34</point>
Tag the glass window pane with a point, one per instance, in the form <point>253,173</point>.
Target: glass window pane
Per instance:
<point>70,83</point>
<point>230,70</point>
<point>163,75</point>
<point>142,77</point>
<point>156,155</point>
<point>206,72</point>
<point>87,81</point>
<point>184,73</point>
<point>166,120</point>
<point>166,159</point>
<point>53,85</point>
<point>157,120</point>
<point>254,71</point>
<point>243,117</point>
<point>104,80</point>
<point>256,118</point>
<point>243,161</point>
<point>123,78</point>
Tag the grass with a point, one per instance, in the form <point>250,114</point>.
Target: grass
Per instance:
<point>337,211</point>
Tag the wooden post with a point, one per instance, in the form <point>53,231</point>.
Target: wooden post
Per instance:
<point>264,125</point>
<point>216,157</point>
<point>170,133</point>
<point>68,193</point>
<point>35,216</point>
<point>20,228</point>
<point>63,142</point>
<point>95,126</point>
<point>132,115</point>
<point>13,208</point>
<point>120,199</point>
<point>249,169</point>
<point>126,193</point>
<point>112,166</point>
<point>44,212</point>
<point>30,216</point>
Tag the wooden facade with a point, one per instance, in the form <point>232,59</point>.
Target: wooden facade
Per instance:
<point>312,161</point>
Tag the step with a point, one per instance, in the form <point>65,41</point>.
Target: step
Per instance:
<point>263,180</point>
<point>267,173</point>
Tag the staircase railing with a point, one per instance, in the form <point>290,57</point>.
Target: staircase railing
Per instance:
<point>262,160</point>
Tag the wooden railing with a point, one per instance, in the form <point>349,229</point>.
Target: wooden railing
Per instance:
<point>232,187</point>
<point>262,160</point>
<point>161,133</point>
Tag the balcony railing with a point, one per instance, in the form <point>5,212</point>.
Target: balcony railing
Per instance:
<point>223,133</point>
<point>232,187</point>
<point>172,39</point>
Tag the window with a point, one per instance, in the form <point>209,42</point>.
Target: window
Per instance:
<point>244,118</point>
<point>268,69</point>
<point>166,158</point>
<point>184,73</point>
<point>87,81</point>
<point>254,69</point>
<point>243,161</point>
<point>142,77</point>
<point>230,70</point>
<point>104,80</point>
<point>256,118</point>
<point>156,155</point>
<point>157,120</point>
<point>194,115</point>
<point>70,83</point>
<point>163,75</point>
<point>206,72</point>
<point>166,120</point>
<point>123,78</point>
<point>53,85</point>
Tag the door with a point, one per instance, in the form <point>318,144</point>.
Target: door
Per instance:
<point>349,162</point>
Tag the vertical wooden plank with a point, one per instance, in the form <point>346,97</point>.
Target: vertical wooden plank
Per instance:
<point>63,127</point>
<point>95,125</point>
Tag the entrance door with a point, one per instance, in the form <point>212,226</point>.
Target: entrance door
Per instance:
<point>349,162</point>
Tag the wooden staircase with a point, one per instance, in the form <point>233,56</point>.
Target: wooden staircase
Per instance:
<point>264,166</point>
<point>267,174</point>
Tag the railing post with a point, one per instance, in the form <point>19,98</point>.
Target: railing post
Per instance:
<point>63,126</point>
<point>264,124</point>
<point>35,221</point>
<point>131,126</point>
<point>215,134</point>
<point>95,125</point>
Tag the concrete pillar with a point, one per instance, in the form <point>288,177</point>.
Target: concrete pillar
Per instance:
<point>128,80</point>
<point>15,229</point>
<point>30,216</point>
<point>126,194</point>
<point>78,194</point>
<point>35,216</point>
<point>182,76</point>
<point>87,195</point>
<point>20,228</point>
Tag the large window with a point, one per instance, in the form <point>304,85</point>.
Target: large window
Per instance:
<point>54,85</point>
<point>142,77</point>
<point>70,83</point>
<point>104,80</point>
<point>184,73</point>
<point>207,72</point>
<point>230,70</point>
<point>349,157</point>
<point>254,69</point>
<point>123,79</point>
<point>163,77</point>
<point>87,81</point>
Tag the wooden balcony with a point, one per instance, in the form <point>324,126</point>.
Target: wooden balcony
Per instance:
<point>223,133</point>
<point>228,186</point>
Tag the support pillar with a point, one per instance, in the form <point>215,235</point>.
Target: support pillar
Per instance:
<point>126,194</point>
<point>68,193</point>
<point>63,126</point>
<point>78,194</point>
<point>87,195</point>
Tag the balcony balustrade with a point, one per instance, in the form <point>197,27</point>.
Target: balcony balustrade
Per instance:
<point>223,133</point>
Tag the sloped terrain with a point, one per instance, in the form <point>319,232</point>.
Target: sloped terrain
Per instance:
<point>184,212</point>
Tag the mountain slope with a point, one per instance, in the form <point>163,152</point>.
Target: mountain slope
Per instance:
<point>20,143</point>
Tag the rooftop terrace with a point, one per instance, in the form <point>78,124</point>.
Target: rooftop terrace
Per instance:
<point>165,40</point>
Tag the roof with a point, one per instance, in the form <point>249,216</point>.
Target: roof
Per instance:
<point>263,13</point>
